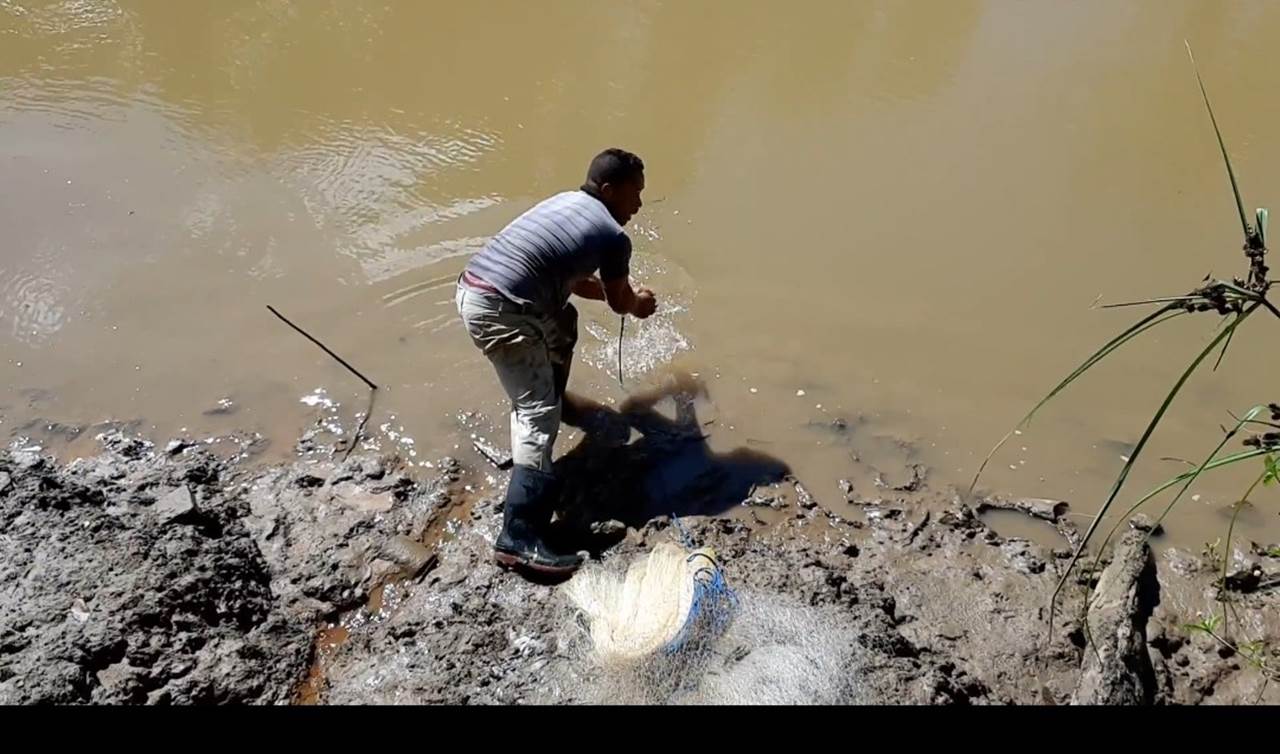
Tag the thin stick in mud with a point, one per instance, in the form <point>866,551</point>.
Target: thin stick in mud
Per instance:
<point>355,440</point>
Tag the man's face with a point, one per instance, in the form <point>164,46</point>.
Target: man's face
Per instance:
<point>624,198</point>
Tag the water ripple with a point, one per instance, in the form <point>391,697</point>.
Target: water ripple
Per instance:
<point>33,305</point>
<point>370,183</point>
<point>65,17</point>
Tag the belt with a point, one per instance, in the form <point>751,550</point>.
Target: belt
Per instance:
<point>471,281</point>
<point>479,285</point>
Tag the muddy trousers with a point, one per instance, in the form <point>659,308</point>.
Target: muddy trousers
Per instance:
<point>532,353</point>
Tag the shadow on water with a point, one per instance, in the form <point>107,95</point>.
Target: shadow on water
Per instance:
<point>669,469</point>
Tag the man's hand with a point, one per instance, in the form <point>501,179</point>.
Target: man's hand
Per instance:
<point>645,304</point>
<point>623,299</point>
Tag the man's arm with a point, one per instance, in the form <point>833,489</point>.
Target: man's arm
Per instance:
<point>589,287</point>
<point>615,282</point>
<point>622,298</point>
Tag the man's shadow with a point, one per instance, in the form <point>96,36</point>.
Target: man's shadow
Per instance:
<point>668,470</point>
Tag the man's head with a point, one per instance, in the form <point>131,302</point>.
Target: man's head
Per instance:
<point>616,177</point>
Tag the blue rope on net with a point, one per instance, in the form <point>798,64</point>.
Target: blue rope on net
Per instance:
<point>686,538</point>
<point>714,601</point>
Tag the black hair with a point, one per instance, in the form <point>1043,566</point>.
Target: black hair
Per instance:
<point>615,166</point>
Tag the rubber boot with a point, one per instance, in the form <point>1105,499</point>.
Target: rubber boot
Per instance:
<point>531,496</point>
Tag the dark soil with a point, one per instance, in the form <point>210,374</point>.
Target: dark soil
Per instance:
<point>172,576</point>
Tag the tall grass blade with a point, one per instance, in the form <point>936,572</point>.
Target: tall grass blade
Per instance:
<point>1165,300</point>
<point>1244,293</point>
<point>1196,474</point>
<point>1270,306</point>
<point>1137,453</point>
<point>1189,477</point>
<point>1143,324</point>
<point>1226,547</point>
<point>1242,456</point>
<point>1226,344</point>
<point>1231,173</point>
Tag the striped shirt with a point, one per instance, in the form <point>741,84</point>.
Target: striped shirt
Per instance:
<point>537,258</point>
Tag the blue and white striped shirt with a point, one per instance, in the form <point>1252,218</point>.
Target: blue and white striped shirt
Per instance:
<point>538,257</point>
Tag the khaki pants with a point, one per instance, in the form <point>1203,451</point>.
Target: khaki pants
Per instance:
<point>531,353</point>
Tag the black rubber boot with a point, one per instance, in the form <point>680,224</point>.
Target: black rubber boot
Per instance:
<point>531,497</point>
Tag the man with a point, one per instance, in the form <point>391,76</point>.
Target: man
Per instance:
<point>513,298</point>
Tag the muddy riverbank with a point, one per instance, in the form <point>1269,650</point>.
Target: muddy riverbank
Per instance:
<point>176,575</point>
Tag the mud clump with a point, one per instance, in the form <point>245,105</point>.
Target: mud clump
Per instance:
<point>119,587</point>
<point>142,577</point>
<point>1119,669</point>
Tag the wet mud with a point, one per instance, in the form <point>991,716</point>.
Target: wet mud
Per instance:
<point>177,575</point>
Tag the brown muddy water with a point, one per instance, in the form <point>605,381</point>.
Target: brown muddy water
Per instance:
<point>894,213</point>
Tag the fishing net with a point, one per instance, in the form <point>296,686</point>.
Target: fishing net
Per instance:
<point>672,600</point>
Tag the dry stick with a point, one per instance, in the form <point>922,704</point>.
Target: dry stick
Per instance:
<point>373,389</point>
<point>323,347</point>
